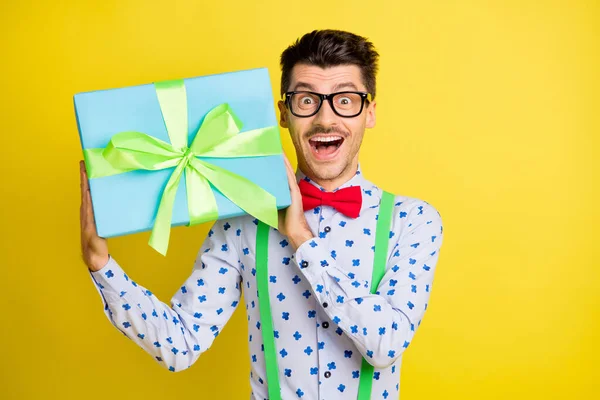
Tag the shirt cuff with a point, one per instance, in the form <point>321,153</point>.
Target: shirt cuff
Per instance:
<point>111,279</point>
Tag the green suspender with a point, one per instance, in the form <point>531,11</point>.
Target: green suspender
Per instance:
<point>382,237</point>
<point>264,306</point>
<point>384,221</point>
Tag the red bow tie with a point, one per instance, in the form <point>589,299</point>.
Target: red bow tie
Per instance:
<point>347,201</point>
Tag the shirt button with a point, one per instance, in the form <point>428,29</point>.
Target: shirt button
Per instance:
<point>304,264</point>
<point>325,305</point>
<point>327,229</point>
<point>325,325</point>
<point>327,374</point>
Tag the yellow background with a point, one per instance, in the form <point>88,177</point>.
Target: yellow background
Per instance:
<point>489,110</point>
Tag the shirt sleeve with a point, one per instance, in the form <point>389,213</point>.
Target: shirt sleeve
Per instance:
<point>176,335</point>
<point>381,325</point>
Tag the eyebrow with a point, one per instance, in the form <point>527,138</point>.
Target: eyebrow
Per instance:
<point>343,85</point>
<point>304,85</point>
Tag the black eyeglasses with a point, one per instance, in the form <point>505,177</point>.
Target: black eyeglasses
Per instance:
<point>345,104</point>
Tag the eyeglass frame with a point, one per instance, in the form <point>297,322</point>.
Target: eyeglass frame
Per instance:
<point>329,97</point>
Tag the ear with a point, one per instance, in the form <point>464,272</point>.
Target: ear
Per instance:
<point>283,115</point>
<point>370,122</point>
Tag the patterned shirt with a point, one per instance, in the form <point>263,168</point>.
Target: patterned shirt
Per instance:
<point>325,319</point>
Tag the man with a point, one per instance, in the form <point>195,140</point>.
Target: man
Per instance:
<point>324,317</point>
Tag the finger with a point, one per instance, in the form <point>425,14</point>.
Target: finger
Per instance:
<point>84,184</point>
<point>84,177</point>
<point>294,189</point>
<point>83,206</point>
<point>290,169</point>
<point>287,161</point>
<point>88,217</point>
<point>81,180</point>
<point>94,227</point>
<point>90,214</point>
<point>85,224</point>
<point>87,212</point>
<point>81,214</point>
<point>290,176</point>
<point>81,218</point>
<point>289,164</point>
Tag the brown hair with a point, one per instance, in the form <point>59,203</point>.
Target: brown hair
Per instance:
<point>328,48</point>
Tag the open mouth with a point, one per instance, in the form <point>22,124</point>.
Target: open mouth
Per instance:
<point>326,147</point>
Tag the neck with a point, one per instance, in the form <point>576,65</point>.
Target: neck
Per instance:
<point>331,184</point>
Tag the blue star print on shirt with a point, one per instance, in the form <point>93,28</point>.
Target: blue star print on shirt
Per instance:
<point>324,317</point>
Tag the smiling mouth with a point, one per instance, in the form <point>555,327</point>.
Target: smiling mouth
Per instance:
<point>325,146</point>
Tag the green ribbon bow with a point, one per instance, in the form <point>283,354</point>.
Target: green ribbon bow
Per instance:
<point>218,136</point>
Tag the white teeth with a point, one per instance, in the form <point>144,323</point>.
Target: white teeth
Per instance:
<point>326,139</point>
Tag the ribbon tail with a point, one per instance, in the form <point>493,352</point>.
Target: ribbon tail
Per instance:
<point>244,193</point>
<point>161,231</point>
<point>202,205</point>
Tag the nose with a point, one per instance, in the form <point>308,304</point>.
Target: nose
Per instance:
<point>326,116</point>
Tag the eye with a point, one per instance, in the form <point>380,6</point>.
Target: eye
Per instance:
<point>306,100</point>
<point>345,101</point>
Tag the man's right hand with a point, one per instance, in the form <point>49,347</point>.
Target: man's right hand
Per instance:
<point>94,249</point>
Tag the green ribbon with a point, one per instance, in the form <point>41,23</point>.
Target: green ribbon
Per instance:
<point>217,137</point>
<point>264,307</point>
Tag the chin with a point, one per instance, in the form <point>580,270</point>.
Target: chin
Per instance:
<point>327,170</point>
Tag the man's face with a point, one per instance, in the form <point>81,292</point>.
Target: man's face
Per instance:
<point>327,160</point>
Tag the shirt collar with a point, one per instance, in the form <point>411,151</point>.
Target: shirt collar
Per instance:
<point>356,180</point>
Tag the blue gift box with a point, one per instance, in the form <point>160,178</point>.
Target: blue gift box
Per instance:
<point>127,203</point>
